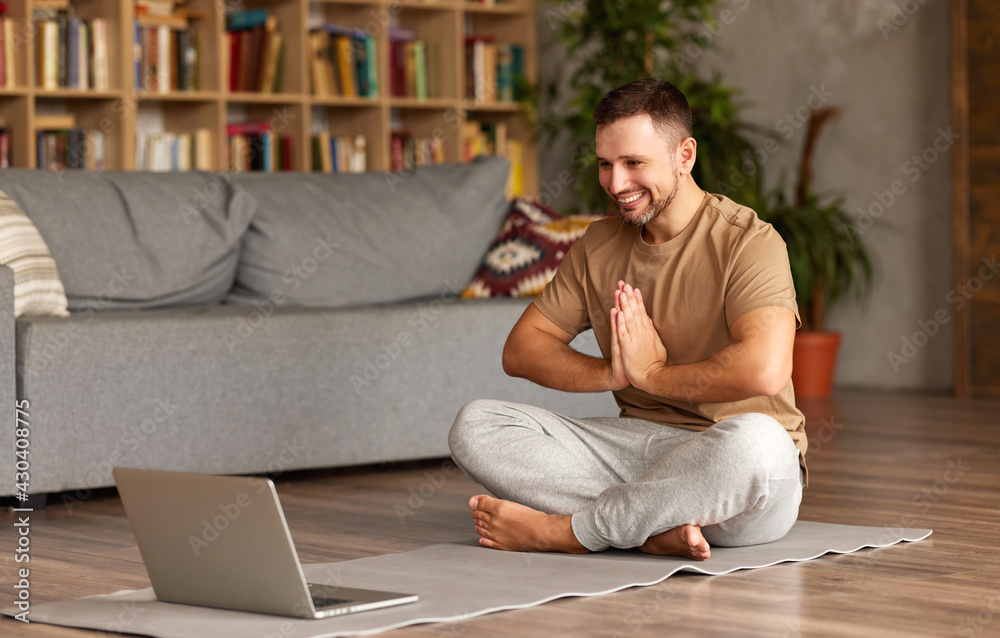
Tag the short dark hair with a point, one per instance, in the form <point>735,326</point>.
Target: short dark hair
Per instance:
<point>660,100</point>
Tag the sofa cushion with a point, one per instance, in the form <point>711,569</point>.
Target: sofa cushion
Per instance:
<point>525,255</point>
<point>336,240</point>
<point>134,239</point>
<point>37,287</point>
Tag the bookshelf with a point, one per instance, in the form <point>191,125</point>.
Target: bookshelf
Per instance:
<point>295,110</point>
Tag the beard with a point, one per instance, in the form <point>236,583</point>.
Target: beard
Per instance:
<point>653,209</point>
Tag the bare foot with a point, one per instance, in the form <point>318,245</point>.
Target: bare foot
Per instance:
<point>507,525</point>
<point>685,541</point>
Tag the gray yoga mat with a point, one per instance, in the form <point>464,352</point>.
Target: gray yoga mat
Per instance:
<point>455,581</point>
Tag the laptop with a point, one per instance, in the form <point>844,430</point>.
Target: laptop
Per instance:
<point>222,541</point>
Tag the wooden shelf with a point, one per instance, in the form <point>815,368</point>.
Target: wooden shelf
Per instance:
<point>442,24</point>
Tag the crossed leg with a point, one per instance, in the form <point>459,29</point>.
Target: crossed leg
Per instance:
<point>503,524</point>
<point>576,485</point>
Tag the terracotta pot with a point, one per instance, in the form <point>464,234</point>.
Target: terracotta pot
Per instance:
<point>814,360</point>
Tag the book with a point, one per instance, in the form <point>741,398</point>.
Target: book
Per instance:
<point>370,57</point>
<point>266,52</point>
<point>164,59</point>
<point>328,59</point>
<point>242,71</point>
<point>234,59</point>
<point>287,162</point>
<point>48,55</point>
<point>271,56</point>
<point>420,70</point>
<point>84,55</point>
<point>481,68</point>
<point>255,43</point>
<point>62,66</point>
<point>361,65</point>
<point>266,151</point>
<point>138,36</point>
<point>517,70</point>
<point>72,55</point>
<point>488,71</point>
<point>317,72</point>
<point>8,42</point>
<point>182,38</point>
<point>399,37</point>
<point>431,68</point>
<point>326,153</point>
<point>4,82</point>
<point>278,69</point>
<point>203,149</point>
<point>346,65</point>
<point>150,61</point>
<point>93,159</point>
<point>4,148</point>
<point>359,155</point>
<point>410,69</point>
<point>505,72</point>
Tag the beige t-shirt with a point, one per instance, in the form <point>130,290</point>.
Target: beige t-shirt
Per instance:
<point>725,263</point>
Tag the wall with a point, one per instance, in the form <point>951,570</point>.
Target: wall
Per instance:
<point>887,65</point>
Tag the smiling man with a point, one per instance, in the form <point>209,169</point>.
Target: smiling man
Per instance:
<point>691,300</point>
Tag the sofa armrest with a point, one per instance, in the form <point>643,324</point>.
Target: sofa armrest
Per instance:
<point>8,382</point>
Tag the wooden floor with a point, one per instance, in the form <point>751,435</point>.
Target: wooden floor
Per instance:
<point>875,459</point>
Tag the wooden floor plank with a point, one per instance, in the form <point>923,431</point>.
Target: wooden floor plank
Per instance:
<point>875,459</point>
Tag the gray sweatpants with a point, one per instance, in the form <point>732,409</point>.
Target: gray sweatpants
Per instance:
<point>624,480</point>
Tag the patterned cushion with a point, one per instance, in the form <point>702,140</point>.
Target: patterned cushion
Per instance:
<point>524,256</point>
<point>37,287</point>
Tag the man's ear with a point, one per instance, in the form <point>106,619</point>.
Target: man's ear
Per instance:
<point>687,153</point>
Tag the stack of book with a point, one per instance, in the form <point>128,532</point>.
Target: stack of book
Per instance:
<point>62,145</point>
<point>493,71</point>
<point>4,144</point>
<point>8,77</point>
<point>339,153</point>
<point>256,51</point>
<point>409,67</point>
<point>253,146</point>
<point>166,47</point>
<point>70,52</point>
<point>491,138</point>
<point>342,62</point>
<point>174,151</point>
<point>410,152</point>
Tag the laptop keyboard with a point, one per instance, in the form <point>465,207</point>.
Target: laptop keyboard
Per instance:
<point>322,602</point>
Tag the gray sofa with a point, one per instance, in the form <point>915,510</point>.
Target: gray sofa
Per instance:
<point>254,323</point>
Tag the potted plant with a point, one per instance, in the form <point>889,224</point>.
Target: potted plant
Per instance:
<point>828,262</point>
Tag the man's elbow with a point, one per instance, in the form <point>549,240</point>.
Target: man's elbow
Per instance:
<point>773,379</point>
<point>511,360</point>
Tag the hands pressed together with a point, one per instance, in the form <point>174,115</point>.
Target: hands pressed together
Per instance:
<point>637,352</point>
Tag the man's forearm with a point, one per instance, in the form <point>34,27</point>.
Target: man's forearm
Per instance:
<point>730,375</point>
<point>561,367</point>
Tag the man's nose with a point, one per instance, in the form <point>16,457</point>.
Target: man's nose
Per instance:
<point>617,181</point>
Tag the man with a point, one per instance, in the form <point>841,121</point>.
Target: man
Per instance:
<point>691,300</point>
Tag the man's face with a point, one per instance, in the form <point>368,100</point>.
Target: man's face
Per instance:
<point>637,168</point>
